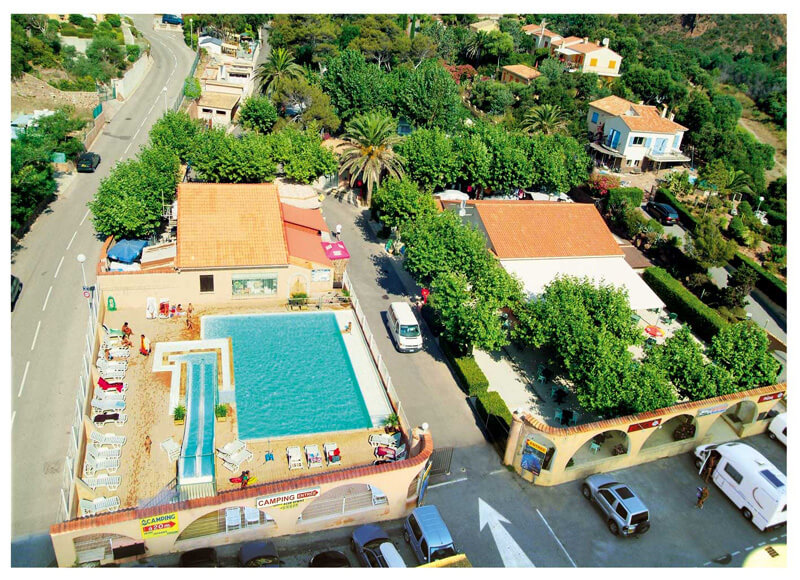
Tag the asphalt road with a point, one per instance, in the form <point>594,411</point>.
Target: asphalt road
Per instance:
<point>49,323</point>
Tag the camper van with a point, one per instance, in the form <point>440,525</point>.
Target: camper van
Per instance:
<point>404,327</point>
<point>749,479</point>
<point>777,428</point>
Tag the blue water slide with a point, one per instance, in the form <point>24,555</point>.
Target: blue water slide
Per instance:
<point>196,464</point>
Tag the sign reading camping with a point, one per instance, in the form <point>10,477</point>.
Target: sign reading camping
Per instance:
<point>288,497</point>
<point>159,525</point>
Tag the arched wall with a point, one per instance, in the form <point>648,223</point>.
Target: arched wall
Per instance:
<point>568,440</point>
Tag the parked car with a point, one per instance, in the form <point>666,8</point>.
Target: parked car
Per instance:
<point>259,554</point>
<point>199,558</point>
<point>331,559</point>
<point>428,536</point>
<point>171,19</point>
<point>88,162</point>
<point>373,548</point>
<point>16,290</point>
<point>663,212</point>
<point>625,513</point>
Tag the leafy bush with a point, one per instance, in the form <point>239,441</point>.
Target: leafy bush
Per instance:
<point>736,229</point>
<point>191,88</point>
<point>770,285</point>
<point>179,414</point>
<point>632,196</point>
<point>601,184</point>
<point>114,20</point>
<point>705,322</point>
<point>258,113</point>
<point>493,404</point>
<point>776,235</point>
<point>133,51</point>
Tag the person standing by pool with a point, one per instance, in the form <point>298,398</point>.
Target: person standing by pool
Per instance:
<point>338,231</point>
<point>127,330</point>
<point>144,347</point>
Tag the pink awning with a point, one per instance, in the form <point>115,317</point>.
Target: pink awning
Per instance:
<point>335,250</point>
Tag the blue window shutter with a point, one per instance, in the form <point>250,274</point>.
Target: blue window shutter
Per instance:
<point>594,117</point>
<point>630,141</point>
<point>615,142</point>
<point>647,142</point>
<point>675,142</point>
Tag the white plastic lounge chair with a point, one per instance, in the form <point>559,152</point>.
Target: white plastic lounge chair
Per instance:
<point>107,439</point>
<point>173,449</point>
<point>111,375</point>
<point>332,453</point>
<point>102,452</point>
<point>252,516</point>
<point>295,457</point>
<point>233,519</point>
<point>231,448</point>
<point>313,456</point>
<point>101,504</point>
<point>391,453</point>
<point>111,364</point>
<point>109,395</point>
<point>110,482</point>
<point>233,462</point>
<point>116,351</point>
<point>92,465</point>
<point>112,332</point>
<point>104,419</point>
<point>385,440</point>
<point>108,405</point>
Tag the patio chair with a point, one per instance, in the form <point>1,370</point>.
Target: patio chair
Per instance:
<point>233,519</point>
<point>112,332</point>
<point>172,449</point>
<point>110,482</point>
<point>109,395</point>
<point>395,454</point>
<point>116,351</point>
<point>103,419</point>
<point>252,516</point>
<point>102,452</point>
<point>313,456</point>
<point>294,457</point>
<point>92,465</point>
<point>111,364</point>
<point>231,448</point>
<point>107,405</point>
<point>90,507</point>
<point>559,415</point>
<point>332,453</point>
<point>233,462</point>
<point>104,385</point>
<point>110,374</point>
<point>574,419</point>
<point>670,318</point>
<point>541,375</point>
<point>386,440</point>
<point>594,447</point>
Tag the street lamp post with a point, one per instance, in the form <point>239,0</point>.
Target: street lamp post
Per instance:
<point>191,33</point>
<point>81,259</point>
<point>164,90</point>
<point>760,199</point>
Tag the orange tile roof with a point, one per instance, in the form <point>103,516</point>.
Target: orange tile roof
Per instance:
<point>306,245</point>
<point>566,41</point>
<point>637,117</point>
<point>522,70</point>
<point>585,47</point>
<point>308,218</point>
<point>536,30</point>
<point>229,225</point>
<point>545,229</point>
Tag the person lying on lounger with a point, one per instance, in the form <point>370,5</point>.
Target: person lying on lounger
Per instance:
<point>348,328</point>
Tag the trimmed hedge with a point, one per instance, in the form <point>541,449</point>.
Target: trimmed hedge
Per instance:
<point>769,284</point>
<point>493,404</point>
<point>687,219</point>
<point>704,320</point>
<point>632,195</point>
<point>775,218</point>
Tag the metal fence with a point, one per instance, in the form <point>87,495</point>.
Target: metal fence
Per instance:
<point>176,106</point>
<point>383,371</point>
<point>72,467</point>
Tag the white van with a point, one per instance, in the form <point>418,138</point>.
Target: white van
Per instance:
<point>777,428</point>
<point>749,479</point>
<point>404,327</point>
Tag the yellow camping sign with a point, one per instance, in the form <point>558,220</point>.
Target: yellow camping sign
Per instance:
<point>159,525</point>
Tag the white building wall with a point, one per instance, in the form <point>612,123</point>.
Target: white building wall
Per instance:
<point>605,58</point>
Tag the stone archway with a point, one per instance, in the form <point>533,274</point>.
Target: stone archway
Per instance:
<point>224,521</point>
<point>599,447</point>
<point>679,427</point>
<point>344,501</point>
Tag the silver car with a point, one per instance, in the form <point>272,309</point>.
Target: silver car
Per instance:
<point>625,513</point>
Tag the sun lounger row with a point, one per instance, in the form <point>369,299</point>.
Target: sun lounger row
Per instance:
<point>386,440</point>
<point>313,456</point>
<point>104,385</point>
<point>391,453</point>
<point>92,465</point>
<point>233,454</point>
<point>102,419</point>
<point>107,439</point>
<point>108,405</point>
<point>90,507</point>
<point>110,482</point>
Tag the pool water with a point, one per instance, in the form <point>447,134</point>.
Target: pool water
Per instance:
<point>292,372</point>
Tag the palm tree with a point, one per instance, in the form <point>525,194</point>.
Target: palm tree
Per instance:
<point>368,154</point>
<point>279,67</point>
<point>475,45</point>
<point>737,181</point>
<point>547,119</point>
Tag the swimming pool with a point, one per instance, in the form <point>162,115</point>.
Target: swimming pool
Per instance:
<point>292,372</point>
<point>196,463</point>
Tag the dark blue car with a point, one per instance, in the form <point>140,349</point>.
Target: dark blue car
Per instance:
<point>171,19</point>
<point>663,212</point>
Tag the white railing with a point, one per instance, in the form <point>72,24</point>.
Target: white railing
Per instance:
<point>377,358</point>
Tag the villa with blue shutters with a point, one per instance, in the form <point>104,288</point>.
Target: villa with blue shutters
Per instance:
<point>632,137</point>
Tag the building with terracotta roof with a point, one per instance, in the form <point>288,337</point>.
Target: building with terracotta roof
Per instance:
<point>544,37</point>
<point>488,25</point>
<point>518,73</point>
<point>234,242</point>
<point>578,54</point>
<point>538,241</point>
<point>630,136</point>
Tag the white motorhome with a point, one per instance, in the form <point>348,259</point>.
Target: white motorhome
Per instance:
<point>404,326</point>
<point>749,479</point>
<point>777,428</point>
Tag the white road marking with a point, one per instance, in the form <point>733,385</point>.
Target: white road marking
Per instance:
<point>556,539</point>
<point>761,543</point>
<point>510,551</point>
<point>59,267</point>
<point>84,217</point>
<point>36,335</point>
<point>126,148</point>
<point>496,471</point>
<point>45,300</point>
<point>736,553</point>
<point>13,415</point>
<point>72,239</point>
<point>24,376</point>
<point>773,539</point>
<point>748,548</point>
<point>447,482</point>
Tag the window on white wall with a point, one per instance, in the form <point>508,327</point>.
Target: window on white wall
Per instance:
<point>638,141</point>
<point>254,284</point>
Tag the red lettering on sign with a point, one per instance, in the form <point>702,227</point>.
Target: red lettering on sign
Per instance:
<point>644,425</point>
<point>770,397</point>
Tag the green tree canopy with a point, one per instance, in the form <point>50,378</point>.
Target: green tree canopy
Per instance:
<point>400,201</point>
<point>354,85</point>
<point>313,104</point>
<point>430,158</point>
<point>428,96</point>
<point>175,131</point>
<point>258,113</point>
<point>709,246</point>
<point>743,349</point>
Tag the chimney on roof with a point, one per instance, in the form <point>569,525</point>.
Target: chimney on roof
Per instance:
<point>664,112</point>
<point>672,116</point>
<point>585,39</point>
<point>640,103</point>
<point>605,42</point>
